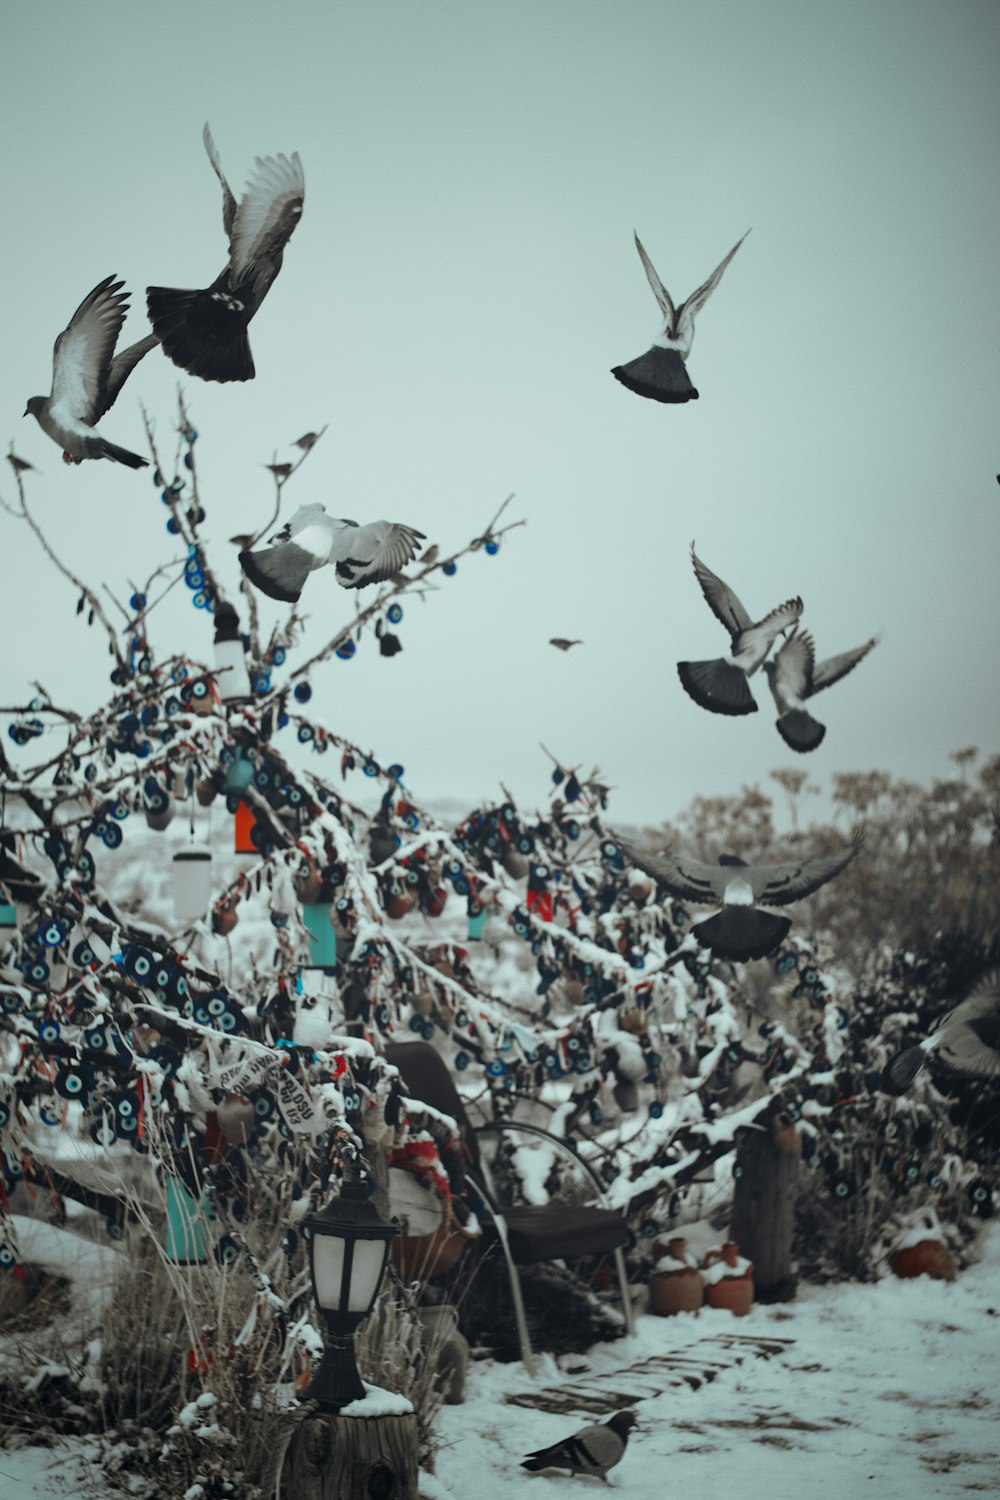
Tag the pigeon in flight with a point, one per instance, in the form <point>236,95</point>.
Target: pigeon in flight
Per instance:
<point>738,930</point>
<point>661,373</point>
<point>794,676</point>
<point>720,685</point>
<point>205,332</point>
<point>562,643</point>
<point>593,1450</point>
<point>87,376</point>
<point>311,539</point>
<point>965,1041</point>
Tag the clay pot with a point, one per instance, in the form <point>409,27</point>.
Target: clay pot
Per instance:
<point>679,1290</point>
<point>308,887</point>
<point>735,1291</point>
<point>206,791</point>
<point>224,919</point>
<point>925,1258</point>
<point>397,906</point>
<point>785,1135</point>
<point>419,1257</point>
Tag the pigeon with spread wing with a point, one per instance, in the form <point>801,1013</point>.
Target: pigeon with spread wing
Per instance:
<point>312,539</point>
<point>593,1450</point>
<point>794,676</point>
<point>661,373</point>
<point>720,685</point>
<point>87,376</point>
<point>739,930</point>
<point>966,1041</point>
<point>205,332</point>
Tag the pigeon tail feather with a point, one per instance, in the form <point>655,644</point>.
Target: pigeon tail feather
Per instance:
<point>659,374</point>
<point>123,455</point>
<point>717,685</point>
<point>742,933</point>
<point>258,575</point>
<point>799,730</point>
<point>202,333</point>
<point>900,1071</point>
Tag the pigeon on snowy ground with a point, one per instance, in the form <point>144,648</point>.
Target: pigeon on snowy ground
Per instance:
<point>738,930</point>
<point>965,1041</point>
<point>205,332</point>
<point>720,685</point>
<point>593,1450</point>
<point>311,539</point>
<point>794,676</point>
<point>661,373</point>
<point>87,376</point>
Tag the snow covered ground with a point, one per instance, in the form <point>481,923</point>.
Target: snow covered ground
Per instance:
<point>888,1390</point>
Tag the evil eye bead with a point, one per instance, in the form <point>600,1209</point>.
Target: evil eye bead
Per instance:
<point>48,1032</point>
<point>496,1068</point>
<point>74,1082</point>
<point>53,934</point>
<point>394,614</point>
<point>346,650</point>
<point>278,656</point>
<point>111,836</point>
<point>302,692</point>
<point>449,569</point>
<point>655,1110</point>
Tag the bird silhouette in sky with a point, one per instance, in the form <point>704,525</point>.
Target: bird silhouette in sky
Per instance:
<point>965,1041</point>
<point>661,373</point>
<point>739,930</point>
<point>312,539</point>
<point>794,677</point>
<point>720,684</point>
<point>87,376</point>
<point>593,1450</point>
<point>205,332</point>
<point>562,643</point>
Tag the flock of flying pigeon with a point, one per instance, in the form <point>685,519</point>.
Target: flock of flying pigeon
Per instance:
<point>204,332</point>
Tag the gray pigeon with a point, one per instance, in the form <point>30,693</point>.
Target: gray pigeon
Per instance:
<point>205,332</point>
<point>593,1450</point>
<point>312,539</point>
<point>965,1041</point>
<point>720,685</point>
<point>739,930</point>
<point>563,643</point>
<point>661,373</point>
<point>87,376</point>
<point>794,676</point>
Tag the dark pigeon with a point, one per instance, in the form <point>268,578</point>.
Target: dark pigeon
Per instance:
<point>593,1450</point>
<point>312,539</point>
<point>661,373</point>
<point>739,930</point>
<point>205,332</point>
<point>794,677</point>
<point>720,684</point>
<point>966,1041</point>
<point>87,376</point>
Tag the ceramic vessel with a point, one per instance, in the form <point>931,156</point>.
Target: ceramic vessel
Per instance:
<point>729,1282</point>
<point>925,1258</point>
<point>677,1287</point>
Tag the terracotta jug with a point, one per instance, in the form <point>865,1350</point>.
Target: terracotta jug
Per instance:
<point>925,1258</point>
<point>678,1286</point>
<point>730,1282</point>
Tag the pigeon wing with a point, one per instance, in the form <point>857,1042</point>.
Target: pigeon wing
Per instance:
<point>659,290</point>
<point>122,366</point>
<point>835,667</point>
<point>693,304</point>
<point>982,999</point>
<point>792,669</point>
<point>82,353</point>
<point>228,201</point>
<point>720,598</point>
<point>751,646</point>
<point>972,1047</point>
<point>268,213</point>
<point>687,879</point>
<point>376,552</point>
<point>777,885</point>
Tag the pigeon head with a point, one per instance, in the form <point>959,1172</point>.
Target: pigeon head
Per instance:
<point>622,1422</point>
<point>34,406</point>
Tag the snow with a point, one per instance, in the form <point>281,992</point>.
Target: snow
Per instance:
<point>377,1403</point>
<point>889,1386</point>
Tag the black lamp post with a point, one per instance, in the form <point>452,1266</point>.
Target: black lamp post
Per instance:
<point>348,1248</point>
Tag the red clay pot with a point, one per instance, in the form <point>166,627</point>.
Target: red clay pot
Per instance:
<point>925,1258</point>
<point>676,1291</point>
<point>733,1292</point>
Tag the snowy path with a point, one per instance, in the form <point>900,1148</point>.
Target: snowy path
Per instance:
<point>888,1391</point>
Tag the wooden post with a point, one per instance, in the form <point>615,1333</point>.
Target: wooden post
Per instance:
<point>337,1457</point>
<point>767,1164</point>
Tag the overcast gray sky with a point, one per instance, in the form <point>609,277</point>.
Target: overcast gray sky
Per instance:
<point>461,282</point>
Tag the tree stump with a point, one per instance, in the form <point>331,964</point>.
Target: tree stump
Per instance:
<point>767,1164</point>
<point>337,1457</point>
